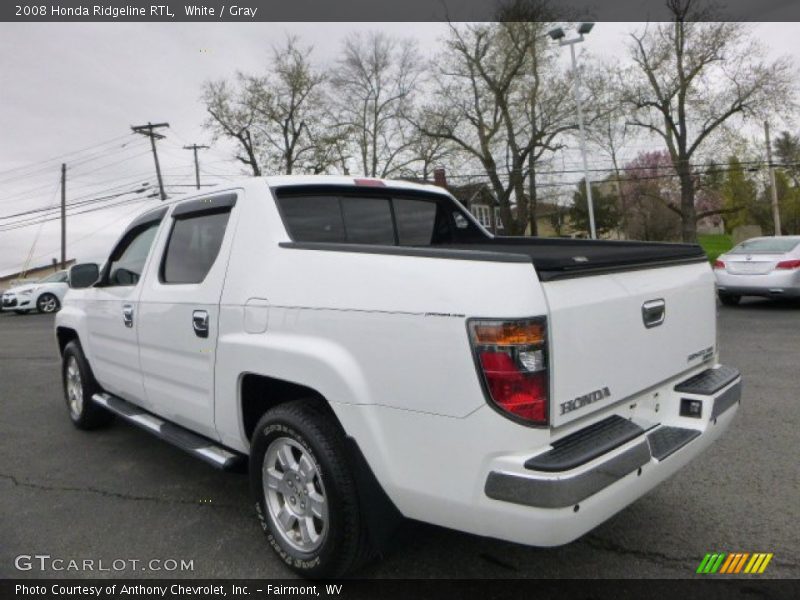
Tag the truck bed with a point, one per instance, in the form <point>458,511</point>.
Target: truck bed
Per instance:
<point>554,258</point>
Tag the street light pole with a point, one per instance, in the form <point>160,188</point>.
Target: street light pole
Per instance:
<point>558,35</point>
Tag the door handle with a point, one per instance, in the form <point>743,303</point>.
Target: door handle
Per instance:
<point>200,323</point>
<point>127,315</point>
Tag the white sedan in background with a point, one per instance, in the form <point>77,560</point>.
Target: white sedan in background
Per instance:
<point>44,295</point>
<point>763,266</point>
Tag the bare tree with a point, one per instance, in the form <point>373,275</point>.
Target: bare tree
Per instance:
<point>502,101</point>
<point>291,102</point>
<point>611,133</point>
<point>232,116</point>
<point>282,119</point>
<point>374,85</point>
<point>426,152</point>
<point>690,76</point>
<point>474,80</point>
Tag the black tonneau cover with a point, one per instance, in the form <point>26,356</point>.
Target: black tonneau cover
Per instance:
<point>557,258</point>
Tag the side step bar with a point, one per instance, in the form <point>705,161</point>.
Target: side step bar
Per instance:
<point>194,444</point>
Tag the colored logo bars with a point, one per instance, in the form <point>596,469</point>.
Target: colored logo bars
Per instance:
<point>734,562</point>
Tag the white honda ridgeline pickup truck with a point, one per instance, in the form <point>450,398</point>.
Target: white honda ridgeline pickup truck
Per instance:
<point>374,353</point>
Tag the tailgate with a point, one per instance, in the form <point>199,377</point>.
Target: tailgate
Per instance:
<point>601,350</point>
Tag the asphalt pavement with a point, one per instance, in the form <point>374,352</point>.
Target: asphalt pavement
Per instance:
<point>120,494</point>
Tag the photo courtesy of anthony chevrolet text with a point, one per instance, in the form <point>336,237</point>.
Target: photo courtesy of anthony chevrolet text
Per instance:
<point>369,299</point>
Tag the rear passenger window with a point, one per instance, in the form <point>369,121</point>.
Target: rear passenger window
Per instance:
<point>415,221</point>
<point>367,221</point>
<point>378,218</point>
<point>193,246</point>
<point>313,218</point>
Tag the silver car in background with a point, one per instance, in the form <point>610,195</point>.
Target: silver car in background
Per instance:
<point>763,266</point>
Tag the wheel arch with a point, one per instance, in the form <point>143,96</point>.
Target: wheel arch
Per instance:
<point>65,335</point>
<point>258,393</point>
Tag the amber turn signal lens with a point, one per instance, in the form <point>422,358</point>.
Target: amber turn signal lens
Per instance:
<point>521,332</point>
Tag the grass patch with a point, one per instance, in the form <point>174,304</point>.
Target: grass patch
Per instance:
<point>715,244</point>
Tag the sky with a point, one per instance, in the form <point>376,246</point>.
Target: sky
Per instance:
<point>70,92</point>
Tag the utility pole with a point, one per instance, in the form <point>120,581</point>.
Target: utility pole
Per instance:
<point>776,215</point>
<point>63,215</point>
<point>195,148</point>
<point>148,130</point>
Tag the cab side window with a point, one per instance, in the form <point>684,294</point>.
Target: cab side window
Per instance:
<point>127,260</point>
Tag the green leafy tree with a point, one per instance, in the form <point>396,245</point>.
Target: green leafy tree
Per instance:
<point>606,209</point>
<point>740,196</point>
<point>787,153</point>
<point>788,203</point>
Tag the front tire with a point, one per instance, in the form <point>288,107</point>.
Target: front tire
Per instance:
<point>79,387</point>
<point>47,304</point>
<point>305,493</point>
<point>729,299</point>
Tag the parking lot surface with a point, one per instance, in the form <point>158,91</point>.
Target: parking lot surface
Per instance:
<point>119,493</point>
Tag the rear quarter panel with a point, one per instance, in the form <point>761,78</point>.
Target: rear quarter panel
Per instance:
<point>361,329</point>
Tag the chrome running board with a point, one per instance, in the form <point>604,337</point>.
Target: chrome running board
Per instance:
<point>196,445</point>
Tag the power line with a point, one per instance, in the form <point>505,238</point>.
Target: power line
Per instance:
<point>92,233</point>
<point>15,226</point>
<point>62,156</point>
<point>93,200</point>
<point>16,196</point>
<point>95,192</point>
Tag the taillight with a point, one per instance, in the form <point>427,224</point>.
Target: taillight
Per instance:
<point>511,358</point>
<point>718,264</point>
<point>788,264</point>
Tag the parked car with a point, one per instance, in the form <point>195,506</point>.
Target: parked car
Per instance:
<point>372,353</point>
<point>762,266</point>
<point>44,295</point>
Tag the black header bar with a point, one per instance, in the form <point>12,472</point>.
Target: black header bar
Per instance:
<point>376,10</point>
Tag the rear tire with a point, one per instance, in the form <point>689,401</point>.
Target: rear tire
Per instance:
<point>79,387</point>
<point>729,299</point>
<point>308,507</point>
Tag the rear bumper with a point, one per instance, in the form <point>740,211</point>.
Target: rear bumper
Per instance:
<point>775,283</point>
<point>470,473</point>
<point>567,504</point>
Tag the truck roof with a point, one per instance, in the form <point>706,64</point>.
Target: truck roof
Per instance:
<point>290,180</point>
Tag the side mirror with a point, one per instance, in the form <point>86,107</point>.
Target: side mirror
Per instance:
<point>83,275</point>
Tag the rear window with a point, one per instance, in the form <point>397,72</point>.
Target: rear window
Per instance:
<point>766,246</point>
<point>380,218</point>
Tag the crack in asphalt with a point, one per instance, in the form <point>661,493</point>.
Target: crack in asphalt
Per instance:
<point>109,494</point>
<point>599,543</point>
